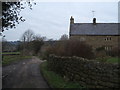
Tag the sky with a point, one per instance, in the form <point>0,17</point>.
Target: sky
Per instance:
<point>52,19</point>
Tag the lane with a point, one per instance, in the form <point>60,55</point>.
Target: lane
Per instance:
<point>24,74</point>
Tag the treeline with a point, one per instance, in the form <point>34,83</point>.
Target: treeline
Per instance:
<point>31,44</point>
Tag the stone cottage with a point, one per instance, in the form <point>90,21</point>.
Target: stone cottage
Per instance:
<point>95,34</point>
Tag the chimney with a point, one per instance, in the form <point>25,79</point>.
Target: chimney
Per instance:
<point>71,20</point>
<point>94,20</point>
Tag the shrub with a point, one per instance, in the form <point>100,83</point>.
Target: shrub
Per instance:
<point>100,52</point>
<point>71,48</point>
<point>35,46</point>
<point>100,49</point>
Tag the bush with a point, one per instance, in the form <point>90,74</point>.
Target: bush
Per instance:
<point>71,48</point>
<point>35,46</point>
<point>100,52</point>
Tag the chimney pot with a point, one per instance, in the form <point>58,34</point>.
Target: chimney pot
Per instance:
<point>71,20</point>
<point>94,20</point>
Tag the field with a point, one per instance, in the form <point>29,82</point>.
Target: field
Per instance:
<point>8,53</point>
<point>8,59</point>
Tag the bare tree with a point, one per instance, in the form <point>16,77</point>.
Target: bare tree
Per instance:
<point>39,38</point>
<point>28,36</point>
<point>64,37</point>
<point>32,43</point>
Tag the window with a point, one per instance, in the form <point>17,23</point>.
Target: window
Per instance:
<point>108,48</point>
<point>110,38</point>
<point>107,38</point>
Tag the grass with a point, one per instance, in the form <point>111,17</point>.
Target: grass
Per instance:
<point>113,60</point>
<point>55,80</point>
<point>8,59</point>
<point>109,59</point>
<point>11,53</point>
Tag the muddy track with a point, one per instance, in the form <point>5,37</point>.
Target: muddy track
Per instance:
<point>23,74</point>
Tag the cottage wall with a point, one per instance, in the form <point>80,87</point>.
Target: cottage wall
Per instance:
<point>98,41</point>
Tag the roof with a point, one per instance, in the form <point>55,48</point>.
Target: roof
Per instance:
<point>94,29</point>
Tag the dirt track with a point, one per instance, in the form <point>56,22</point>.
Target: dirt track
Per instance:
<point>23,74</point>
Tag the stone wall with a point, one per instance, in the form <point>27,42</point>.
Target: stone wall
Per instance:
<point>88,73</point>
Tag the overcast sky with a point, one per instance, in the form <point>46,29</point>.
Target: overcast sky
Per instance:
<point>51,19</point>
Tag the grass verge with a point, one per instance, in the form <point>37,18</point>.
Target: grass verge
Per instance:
<point>8,59</point>
<point>55,80</point>
<point>109,60</point>
<point>113,60</point>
